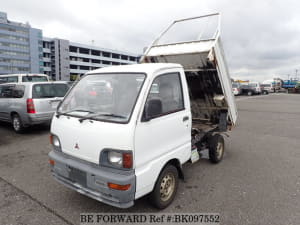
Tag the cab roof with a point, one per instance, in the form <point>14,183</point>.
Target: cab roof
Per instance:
<point>149,68</point>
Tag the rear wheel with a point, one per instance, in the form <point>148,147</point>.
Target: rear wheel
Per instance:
<point>165,188</point>
<point>249,93</point>
<point>216,148</point>
<point>17,123</point>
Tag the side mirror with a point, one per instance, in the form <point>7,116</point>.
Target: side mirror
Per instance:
<point>153,108</point>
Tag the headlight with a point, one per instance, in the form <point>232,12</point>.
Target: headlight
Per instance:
<point>54,140</point>
<point>115,158</point>
<point>121,159</point>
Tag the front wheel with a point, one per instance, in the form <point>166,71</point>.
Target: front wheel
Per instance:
<point>216,148</point>
<point>249,93</point>
<point>165,188</point>
<point>17,123</point>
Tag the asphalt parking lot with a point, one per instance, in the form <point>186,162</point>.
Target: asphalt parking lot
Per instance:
<point>258,182</point>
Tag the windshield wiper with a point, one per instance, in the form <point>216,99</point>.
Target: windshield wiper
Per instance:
<point>74,110</point>
<point>102,114</point>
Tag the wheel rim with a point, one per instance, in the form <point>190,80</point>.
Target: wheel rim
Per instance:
<point>249,93</point>
<point>167,187</point>
<point>220,149</point>
<point>16,123</point>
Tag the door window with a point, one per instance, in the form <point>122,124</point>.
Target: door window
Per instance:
<point>167,90</point>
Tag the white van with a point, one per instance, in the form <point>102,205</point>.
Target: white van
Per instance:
<point>123,132</point>
<point>18,78</point>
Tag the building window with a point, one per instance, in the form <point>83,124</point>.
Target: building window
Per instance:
<point>84,67</point>
<point>96,53</point>
<point>83,51</point>
<point>105,62</point>
<point>131,58</point>
<point>106,54</point>
<point>95,61</point>
<point>73,49</point>
<point>115,56</point>
<point>124,57</point>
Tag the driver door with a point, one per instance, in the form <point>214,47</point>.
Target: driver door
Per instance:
<point>167,133</point>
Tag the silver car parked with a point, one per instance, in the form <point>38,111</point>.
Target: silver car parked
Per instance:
<point>25,104</point>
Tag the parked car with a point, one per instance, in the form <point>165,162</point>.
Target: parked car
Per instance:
<point>268,87</point>
<point>251,88</point>
<point>152,119</point>
<point>29,103</point>
<point>236,88</point>
<point>17,78</point>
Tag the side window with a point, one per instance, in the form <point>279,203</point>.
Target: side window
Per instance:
<point>18,91</point>
<point>165,96</point>
<point>6,91</point>
<point>13,79</point>
<point>3,80</point>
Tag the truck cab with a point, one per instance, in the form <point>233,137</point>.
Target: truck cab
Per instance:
<point>123,132</point>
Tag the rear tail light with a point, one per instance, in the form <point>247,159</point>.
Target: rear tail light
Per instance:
<point>30,106</point>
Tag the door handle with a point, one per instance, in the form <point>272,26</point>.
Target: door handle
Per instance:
<point>185,118</point>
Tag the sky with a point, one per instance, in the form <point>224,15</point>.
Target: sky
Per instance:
<point>261,38</point>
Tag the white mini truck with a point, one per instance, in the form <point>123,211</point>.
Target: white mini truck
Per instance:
<point>123,132</point>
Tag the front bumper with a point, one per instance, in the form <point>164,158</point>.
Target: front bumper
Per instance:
<point>91,180</point>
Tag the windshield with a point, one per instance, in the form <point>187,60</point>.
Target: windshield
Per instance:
<point>235,85</point>
<point>49,90</point>
<point>106,97</point>
<point>34,78</point>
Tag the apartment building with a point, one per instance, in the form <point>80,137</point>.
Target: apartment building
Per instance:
<point>21,48</point>
<point>65,60</point>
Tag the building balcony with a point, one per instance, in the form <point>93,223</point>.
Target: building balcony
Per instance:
<point>78,71</point>
<point>46,50</point>
<point>46,59</point>
<point>47,69</point>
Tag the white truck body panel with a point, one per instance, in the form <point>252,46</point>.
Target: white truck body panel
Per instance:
<point>161,139</point>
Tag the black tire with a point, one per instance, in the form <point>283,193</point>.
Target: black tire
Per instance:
<point>249,93</point>
<point>216,148</point>
<point>17,123</point>
<point>161,200</point>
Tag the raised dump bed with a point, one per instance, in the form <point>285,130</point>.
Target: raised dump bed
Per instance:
<point>195,44</point>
